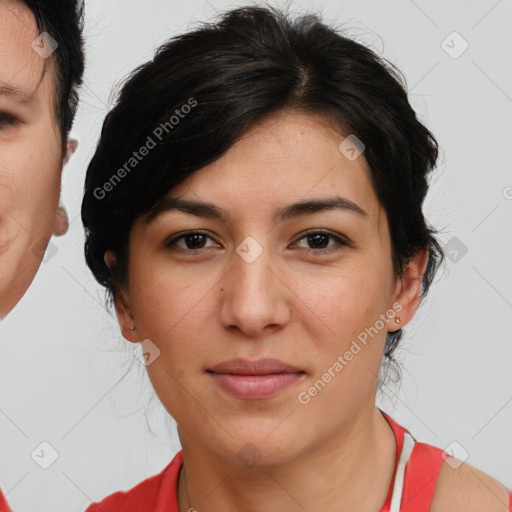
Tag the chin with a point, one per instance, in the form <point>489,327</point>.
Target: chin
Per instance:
<point>250,446</point>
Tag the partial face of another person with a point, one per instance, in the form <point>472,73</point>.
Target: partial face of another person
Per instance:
<point>31,154</point>
<point>297,288</point>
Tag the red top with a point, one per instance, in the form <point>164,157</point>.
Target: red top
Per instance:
<point>160,492</point>
<point>4,507</point>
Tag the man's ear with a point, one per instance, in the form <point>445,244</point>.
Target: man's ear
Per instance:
<point>61,221</point>
<point>71,147</point>
<point>408,287</point>
<point>122,304</point>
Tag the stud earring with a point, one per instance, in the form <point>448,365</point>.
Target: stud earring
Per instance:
<point>397,319</point>
<point>132,328</point>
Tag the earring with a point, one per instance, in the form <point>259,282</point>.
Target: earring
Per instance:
<point>132,328</point>
<point>397,319</point>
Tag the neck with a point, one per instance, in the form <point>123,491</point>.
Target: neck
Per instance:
<point>335,475</point>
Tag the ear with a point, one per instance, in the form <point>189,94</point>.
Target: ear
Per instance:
<point>408,287</point>
<point>122,304</point>
<point>61,221</point>
<point>71,147</point>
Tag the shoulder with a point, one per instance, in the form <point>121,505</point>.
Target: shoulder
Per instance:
<point>157,491</point>
<point>142,495</point>
<point>463,488</point>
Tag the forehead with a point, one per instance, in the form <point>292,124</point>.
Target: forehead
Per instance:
<point>21,67</point>
<point>288,156</point>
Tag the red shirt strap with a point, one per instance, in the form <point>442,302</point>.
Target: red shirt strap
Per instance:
<point>399,432</point>
<point>420,478</point>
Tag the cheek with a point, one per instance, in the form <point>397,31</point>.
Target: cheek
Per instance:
<point>352,305</point>
<point>45,166</point>
<point>29,191</point>
<point>350,297</point>
<point>30,174</point>
<point>174,317</point>
<point>166,304</point>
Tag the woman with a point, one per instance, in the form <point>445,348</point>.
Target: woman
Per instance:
<point>41,66</point>
<point>254,209</point>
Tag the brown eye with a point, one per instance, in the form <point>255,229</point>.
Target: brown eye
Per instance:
<point>193,241</point>
<point>319,240</point>
<point>7,121</point>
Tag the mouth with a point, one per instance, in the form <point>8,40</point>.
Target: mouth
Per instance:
<point>264,366</point>
<point>254,380</point>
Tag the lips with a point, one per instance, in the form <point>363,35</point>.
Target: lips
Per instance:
<point>263,366</point>
<point>252,380</point>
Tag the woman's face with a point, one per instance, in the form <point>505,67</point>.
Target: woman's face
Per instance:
<point>31,155</point>
<point>255,286</point>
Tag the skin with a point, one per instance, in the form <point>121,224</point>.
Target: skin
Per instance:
<point>292,303</point>
<point>32,155</point>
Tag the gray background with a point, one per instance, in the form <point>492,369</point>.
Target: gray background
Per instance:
<point>68,378</point>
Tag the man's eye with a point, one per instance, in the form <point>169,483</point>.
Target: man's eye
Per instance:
<point>7,121</point>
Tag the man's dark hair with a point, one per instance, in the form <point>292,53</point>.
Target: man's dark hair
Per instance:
<point>254,62</point>
<point>63,20</point>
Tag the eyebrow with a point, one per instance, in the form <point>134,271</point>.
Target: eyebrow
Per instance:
<point>293,210</point>
<point>7,89</point>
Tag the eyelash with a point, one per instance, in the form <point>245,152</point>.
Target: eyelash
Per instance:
<point>12,121</point>
<point>338,239</point>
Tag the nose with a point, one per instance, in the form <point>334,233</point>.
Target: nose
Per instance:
<point>255,300</point>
